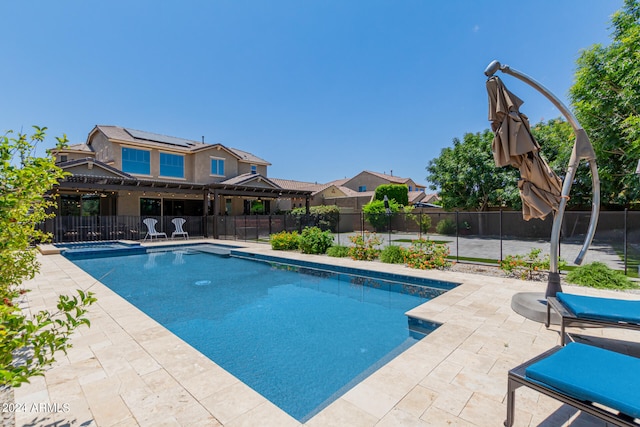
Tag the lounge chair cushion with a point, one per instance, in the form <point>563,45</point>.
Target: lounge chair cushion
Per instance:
<point>601,308</point>
<point>592,374</point>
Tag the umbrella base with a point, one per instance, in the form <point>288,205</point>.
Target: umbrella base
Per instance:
<point>533,306</point>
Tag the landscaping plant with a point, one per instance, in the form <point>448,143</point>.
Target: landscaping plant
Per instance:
<point>365,247</point>
<point>29,342</point>
<point>392,254</point>
<point>446,226</point>
<point>285,241</point>
<point>427,254</point>
<point>528,267</point>
<point>315,241</point>
<point>338,251</point>
<point>599,275</point>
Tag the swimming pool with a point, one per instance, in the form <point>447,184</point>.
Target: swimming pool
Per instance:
<point>301,338</point>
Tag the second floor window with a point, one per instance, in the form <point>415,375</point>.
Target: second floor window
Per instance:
<point>171,165</point>
<point>217,167</point>
<point>254,169</point>
<point>362,188</point>
<point>136,161</point>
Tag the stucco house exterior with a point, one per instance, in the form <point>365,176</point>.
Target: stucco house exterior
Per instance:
<point>142,173</point>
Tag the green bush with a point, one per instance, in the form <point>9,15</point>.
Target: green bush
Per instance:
<point>285,241</point>
<point>427,254</point>
<point>392,254</point>
<point>376,214</point>
<point>528,267</point>
<point>338,251</point>
<point>599,275</point>
<point>315,241</point>
<point>397,192</point>
<point>326,216</point>
<point>446,226</point>
<point>364,248</point>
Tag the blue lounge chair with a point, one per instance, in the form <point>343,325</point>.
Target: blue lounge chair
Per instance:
<point>596,381</point>
<point>594,311</point>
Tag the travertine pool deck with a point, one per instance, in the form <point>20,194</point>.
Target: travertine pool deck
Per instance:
<point>127,370</point>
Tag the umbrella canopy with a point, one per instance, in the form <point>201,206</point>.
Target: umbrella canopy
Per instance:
<point>513,144</point>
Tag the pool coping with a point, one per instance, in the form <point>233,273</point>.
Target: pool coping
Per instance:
<point>128,370</point>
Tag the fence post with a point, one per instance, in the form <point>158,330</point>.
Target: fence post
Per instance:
<point>500,234</point>
<point>457,242</point>
<point>626,211</point>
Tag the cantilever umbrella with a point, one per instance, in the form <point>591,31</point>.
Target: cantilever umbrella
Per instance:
<point>513,144</point>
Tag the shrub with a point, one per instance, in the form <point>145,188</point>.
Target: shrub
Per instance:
<point>30,340</point>
<point>397,192</point>
<point>427,254</point>
<point>376,214</point>
<point>326,216</point>
<point>423,220</point>
<point>364,248</point>
<point>392,255</point>
<point>528,267</point>
<point>285,241</point>
<point>338,251</point>
<point>446,226</point>
<point>599,275</point>
<point>315,241</point>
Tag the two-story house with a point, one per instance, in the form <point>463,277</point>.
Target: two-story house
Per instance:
<point>127,172</point>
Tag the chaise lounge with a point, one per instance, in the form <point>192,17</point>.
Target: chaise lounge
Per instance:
<point>596,381</point>
<point>594,311</point>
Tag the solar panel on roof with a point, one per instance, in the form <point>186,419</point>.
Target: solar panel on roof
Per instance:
<point>148,136</point>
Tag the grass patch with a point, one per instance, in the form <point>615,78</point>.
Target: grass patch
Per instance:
<point>599,275</point>
<point>411,240</point>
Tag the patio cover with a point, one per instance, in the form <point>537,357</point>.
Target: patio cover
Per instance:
<point>514,145</point>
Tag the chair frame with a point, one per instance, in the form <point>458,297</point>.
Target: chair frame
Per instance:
<point>568,319</point>
<point>150,228</point>
<point>181,232</point>
<point>517,378</point>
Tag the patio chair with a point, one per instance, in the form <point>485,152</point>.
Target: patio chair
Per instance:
<point>178,223</point>
<point>599,382</point>
<point>593,311</point>
<point>151,229</point>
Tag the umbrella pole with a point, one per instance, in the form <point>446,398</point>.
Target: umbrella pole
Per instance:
<point>582,150</point>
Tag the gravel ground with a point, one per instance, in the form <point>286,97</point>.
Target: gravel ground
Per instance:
<point>489,270</point>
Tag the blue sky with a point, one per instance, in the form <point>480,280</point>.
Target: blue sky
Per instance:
<point>322,89</point>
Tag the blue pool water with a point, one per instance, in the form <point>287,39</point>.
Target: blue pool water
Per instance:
<point>298,336</point>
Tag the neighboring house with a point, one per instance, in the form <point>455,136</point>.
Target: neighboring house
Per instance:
<point>121,171</point>
<point>350,194</point>
<point>368,181</point>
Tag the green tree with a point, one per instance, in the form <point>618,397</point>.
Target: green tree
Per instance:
<point>556,139</point>
<point>468,178</point>
<point>606,99</point>
<point>28,344</point>
<point>397,192</point>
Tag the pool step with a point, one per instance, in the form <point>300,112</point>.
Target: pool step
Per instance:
<point>216,250</point>
<point>421,326</point>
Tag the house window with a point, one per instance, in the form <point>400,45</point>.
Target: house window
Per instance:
<point>63,158</point>
<point>362,188</point>
<point>410,189</point>
<point>150,207</point>
<point>217,167</point>
<point>136,161</point>
<point>171,165</point>
<point>254,169</point>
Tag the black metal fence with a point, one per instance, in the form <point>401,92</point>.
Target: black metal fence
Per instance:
<point>472,236</point>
